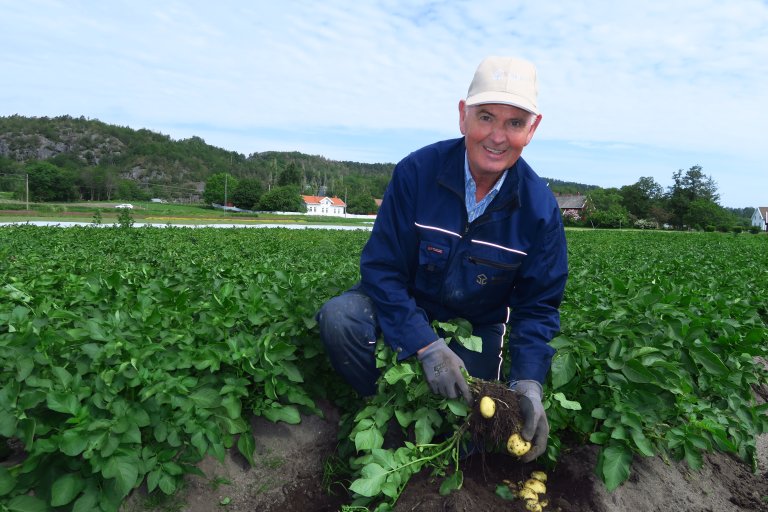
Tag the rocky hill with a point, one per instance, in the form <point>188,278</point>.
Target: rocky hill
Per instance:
<point>102,160</point>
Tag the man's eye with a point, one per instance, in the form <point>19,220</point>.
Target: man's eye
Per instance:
<point>516,123</point>
<point>485,117</point>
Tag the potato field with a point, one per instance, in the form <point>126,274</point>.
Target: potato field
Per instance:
<point>127,355</point>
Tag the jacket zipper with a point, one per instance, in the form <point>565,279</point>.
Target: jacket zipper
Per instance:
<point>494,264</point>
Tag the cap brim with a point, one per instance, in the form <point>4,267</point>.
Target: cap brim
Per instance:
<point>502,99</point>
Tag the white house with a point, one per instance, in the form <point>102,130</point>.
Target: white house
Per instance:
<point>321,205</point>
<point>760,218</point>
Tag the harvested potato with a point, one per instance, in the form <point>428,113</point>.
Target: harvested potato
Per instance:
<point>527,494</point>
<point>487,407</point>
<point>533,506</point>
<point>517,446</point>
<point>536,486</point>
<point>539,475</point>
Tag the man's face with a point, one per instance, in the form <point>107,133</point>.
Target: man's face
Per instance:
<point>495,136</point>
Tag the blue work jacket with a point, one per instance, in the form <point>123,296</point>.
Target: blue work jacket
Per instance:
<point>424,261</point>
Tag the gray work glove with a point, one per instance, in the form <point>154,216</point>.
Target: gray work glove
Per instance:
<point>442,371</point>
<point>535,424</point>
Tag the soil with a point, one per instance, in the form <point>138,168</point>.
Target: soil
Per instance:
<point>291,459</point>
<point>290,462</point>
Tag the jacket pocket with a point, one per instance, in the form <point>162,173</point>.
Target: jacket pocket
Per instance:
<point>491,266</point>
<point>433,259</point>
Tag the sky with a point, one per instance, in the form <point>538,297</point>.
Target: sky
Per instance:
<point>626,89</point>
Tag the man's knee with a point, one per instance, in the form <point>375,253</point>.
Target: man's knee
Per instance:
<point>346,317</point>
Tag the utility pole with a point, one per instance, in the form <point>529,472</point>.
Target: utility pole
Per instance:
<point>225,190</point>
<point>26,186</point>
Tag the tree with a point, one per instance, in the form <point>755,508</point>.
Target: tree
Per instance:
<point>692,186</point>
<point>128,189</point>
<point>48,182</point>
<point>247,193</point>
<point>361,203</point>
<point>639,198</point>
<point>606,209</point>
<point>702,213</point>
<point>282,199</point>
<point>290,176</point>
<point>219,188</point>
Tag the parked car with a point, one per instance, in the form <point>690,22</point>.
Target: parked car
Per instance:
<point>125,205</point>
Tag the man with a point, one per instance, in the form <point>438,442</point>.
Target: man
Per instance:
<point>466,229</point>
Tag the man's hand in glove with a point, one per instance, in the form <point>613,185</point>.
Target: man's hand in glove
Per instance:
<point>442,369</point>
<point>535,424</point>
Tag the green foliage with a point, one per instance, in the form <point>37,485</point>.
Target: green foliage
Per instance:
<point>100,157</point>
<point>128,355</point>
<point>108,162</point>
<point>361,203</point>
<point>48,182</point>
<point>282,199</point>
<point>431,429</point>
<point>690,188</point>
<point>290,176</point>
<point>606,209</point>
<point>641,197</point>
<point>124,218</point>
<point>658,345</point>
<point>219,188</point>
<point>247,194</point>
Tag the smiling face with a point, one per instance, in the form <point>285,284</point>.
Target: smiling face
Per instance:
<point>495,135</point>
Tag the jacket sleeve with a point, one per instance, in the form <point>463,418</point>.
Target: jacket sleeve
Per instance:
<point>388,262</point>
<point>534,318</point>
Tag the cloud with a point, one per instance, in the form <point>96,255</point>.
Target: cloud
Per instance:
<point>674,76</point>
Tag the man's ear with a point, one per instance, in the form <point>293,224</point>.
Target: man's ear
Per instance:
<point>534,125</point>
<point>462,116</point>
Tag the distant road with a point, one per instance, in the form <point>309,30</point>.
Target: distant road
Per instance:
<point>148,224</point>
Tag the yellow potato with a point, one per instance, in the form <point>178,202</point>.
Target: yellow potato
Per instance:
<point>517,446</point>
<point>487,407</point>
<point>533,506</point>
<point>539,475</point>
<point>527,494</point>
<point>536,486</point>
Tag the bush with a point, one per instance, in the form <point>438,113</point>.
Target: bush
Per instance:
<point>709,228</point>
<point>646,224</point>
<point>737,229</point>
<point>754,229</point>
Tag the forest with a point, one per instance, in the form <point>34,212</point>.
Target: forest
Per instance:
<point>68,159</point>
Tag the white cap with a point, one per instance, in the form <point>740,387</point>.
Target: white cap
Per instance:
<point>505,80</point>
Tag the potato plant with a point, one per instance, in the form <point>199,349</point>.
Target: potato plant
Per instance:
<point>126,355</point>
<point>660,332</point>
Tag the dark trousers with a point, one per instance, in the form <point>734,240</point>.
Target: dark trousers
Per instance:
<point>349,330</point>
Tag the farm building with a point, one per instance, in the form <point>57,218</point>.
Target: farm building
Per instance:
<point>760,218</point>
<point>322,205</point>
<point>576,202</point>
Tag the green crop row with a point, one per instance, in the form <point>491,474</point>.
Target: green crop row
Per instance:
<point>126,355</point>
<point>660,345</point>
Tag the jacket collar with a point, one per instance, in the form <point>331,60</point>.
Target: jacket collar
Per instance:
<point>452,177</point>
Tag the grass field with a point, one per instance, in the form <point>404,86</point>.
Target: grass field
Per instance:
<point>154,213</point>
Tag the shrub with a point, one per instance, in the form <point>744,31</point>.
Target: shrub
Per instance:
<point>646,224</point>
